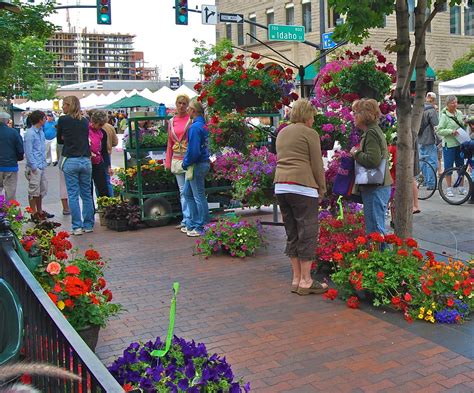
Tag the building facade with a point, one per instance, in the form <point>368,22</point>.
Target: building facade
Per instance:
<point>450,35</point>
<point>87,56</point>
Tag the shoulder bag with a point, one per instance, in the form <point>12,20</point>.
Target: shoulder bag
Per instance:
<point>370,176</point>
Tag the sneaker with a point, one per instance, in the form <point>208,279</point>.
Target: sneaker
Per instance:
<point>66,212</point>
<point>462,191</point>
<point>55,163</point>
<point>47,215</point>
<point>179,226</point>
<point>184,230</point>
<point>449,192</point>
<point>88,230</point>
<point>193,233</point>
<point>77,232</point>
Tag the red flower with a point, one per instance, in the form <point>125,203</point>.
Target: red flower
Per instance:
<point>402,252</point>
<point>69,303</point>
<point>128,387</point>
<point>255,56</point>
<point>396,301</point>
<point>108,293</point>
<point>407,297</point>
<point>88,283</point>
<point>228,56</point>
<point>218,81</point>
<point>418,255</point>
<point>198,86</point>
<point>230,82</point>
<point>243,76</point>
<point>408,318</point>
<point>101,283</point>
<point>353,302</point>
<point>211,101</point>
<point>430,255</point>
<point>259,66</point>
<point>63,235</point>
<point>72,270</point>
<point>457,285</point>
<point>364,254</point>
<point>92,255</point>
<point>450,302</point>
<point>411,242</point>
<point>74,286</point>
<point>337,256</point>
<point>28,209</point>
<point>466,291</point>
<point>376,237</point>
<point>380,277</point>
<point>360,240</point>
<point>334,90</point>
<point>61,255</point>
<point>94,299</point>
<point>255,83</point>
<point>347,247</point>
<point>425,289</point>
<point>331,294</point>
<point>53,297</point>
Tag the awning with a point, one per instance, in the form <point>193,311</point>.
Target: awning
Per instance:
<point>309,73</point>
<point>430,75</point>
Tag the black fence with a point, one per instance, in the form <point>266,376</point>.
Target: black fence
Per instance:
<point>48,337</point>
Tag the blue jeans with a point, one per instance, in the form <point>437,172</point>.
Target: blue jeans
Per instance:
<point>451,156</point>
<point>180,179</point>
<point>109,184</point>
<point>375,201</point>
<point>78,175</point>
<point>195,196</point>
<point>430,154</point>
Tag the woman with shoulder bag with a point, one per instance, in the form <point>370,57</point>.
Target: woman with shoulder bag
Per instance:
<point>176,149</point>
<point>371,156</point>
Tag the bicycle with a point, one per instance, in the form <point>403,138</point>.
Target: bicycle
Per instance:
<point>426,180</point>
<point>461,182</point>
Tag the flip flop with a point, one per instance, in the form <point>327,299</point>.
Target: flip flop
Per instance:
<point>315,289</point>
<point>294,289</point>
<point>416,211</point>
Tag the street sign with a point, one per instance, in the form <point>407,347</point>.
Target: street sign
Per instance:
<point>328,43</point>
<point>174,82</point>
<point>232,18</point>
<point>285,33</point>
<point>209,14</point>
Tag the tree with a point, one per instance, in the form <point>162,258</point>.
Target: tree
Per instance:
<point>363,15</point>
<point>462,66</point>
<point>206,53</point>
<point>28,30</point>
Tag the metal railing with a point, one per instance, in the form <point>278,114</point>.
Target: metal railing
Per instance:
<point>48,337</point>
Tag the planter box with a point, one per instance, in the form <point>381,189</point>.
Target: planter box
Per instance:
<point>117,225</point>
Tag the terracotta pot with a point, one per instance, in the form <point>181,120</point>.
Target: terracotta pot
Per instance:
<point>90,335</point>
<point>102,219</point>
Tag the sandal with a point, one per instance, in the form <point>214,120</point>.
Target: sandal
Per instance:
<point>294,288</point>
<point>315,288</point>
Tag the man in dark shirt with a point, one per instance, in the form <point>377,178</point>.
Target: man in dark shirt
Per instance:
<point>11,151</point>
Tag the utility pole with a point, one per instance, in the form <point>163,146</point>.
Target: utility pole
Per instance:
<point>322,30</point>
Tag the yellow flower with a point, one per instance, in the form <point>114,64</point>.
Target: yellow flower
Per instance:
<point>433,305</point>
<point>432,320</point>
<point>151,162</point>
<point>422,309</point>
<point>420,316</point>
<point>61,305</point>
<point>429,312</point>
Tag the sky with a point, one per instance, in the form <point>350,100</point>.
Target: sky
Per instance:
<point>164,43</point>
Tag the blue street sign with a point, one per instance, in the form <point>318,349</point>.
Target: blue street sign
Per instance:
<point>328,43</point>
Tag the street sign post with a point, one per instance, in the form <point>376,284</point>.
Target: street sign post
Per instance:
<point>232,18</point>
<point>209,14</point>
<point>328,43</point>
<point>285,33</point>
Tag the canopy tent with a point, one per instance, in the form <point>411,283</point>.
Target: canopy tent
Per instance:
<point>165,96</point>
<point>135,101</point>
<point>430,75</point>
<point>463,86</point>
<point>183,89</point>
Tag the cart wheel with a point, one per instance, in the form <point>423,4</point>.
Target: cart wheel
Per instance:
<point>156,207</point>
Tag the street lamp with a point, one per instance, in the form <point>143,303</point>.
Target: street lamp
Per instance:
<point>8,6</point>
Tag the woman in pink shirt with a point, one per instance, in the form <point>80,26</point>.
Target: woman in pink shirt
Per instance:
<point>176,149</point>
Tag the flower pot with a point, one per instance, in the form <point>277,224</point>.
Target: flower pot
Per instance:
<point>327,144</point>
<point>247,100</point>
<point>102,219</point>
<point>90,335</point>
<point>117,225</point>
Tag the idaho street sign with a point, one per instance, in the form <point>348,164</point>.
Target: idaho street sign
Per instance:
<point>285,33</point>
<point>232,18</point>
<point>328,43</point>
<point>209,14</point>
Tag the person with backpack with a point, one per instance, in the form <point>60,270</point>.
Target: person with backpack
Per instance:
<point>428,140</point>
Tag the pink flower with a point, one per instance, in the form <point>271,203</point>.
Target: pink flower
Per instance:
<point>53,268</point>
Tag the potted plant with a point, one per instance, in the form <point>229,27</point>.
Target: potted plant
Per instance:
<point>149,137</point>
<point>239,238</point>
<point>186,367</point>
<point>229,130</point>
<point>155,177</point>
<point>11,210</point>
<point>122,216</point>
<point>76,285</point>
<point>102,203</point>
<point>229,84</point>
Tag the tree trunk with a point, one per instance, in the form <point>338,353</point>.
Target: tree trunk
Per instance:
<point>404,170</point>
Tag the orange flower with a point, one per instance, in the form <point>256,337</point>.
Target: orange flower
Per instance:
<point>53,268</point>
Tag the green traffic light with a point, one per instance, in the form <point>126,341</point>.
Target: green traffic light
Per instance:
<point>105,18</point>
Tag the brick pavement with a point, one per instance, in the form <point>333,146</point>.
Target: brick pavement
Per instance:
<point>243,309</point>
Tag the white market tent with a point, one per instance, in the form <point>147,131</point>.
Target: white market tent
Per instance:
<point>463,86</point>
<point>165,96</point>
<point>183,89</point>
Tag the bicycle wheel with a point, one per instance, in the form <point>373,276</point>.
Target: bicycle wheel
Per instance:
<point>426,180</point>
<point>461,188</point>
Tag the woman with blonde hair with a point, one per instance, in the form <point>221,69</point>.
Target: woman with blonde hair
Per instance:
<point>176,149</point>
<point>73,133</point>
<point>299,183</point>
<point>197,157</point>
<point>372,150</point>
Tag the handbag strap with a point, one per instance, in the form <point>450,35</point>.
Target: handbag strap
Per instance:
<point>173,132</point>
<point>456,120</point>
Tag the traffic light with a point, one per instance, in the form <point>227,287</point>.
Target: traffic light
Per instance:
<point>181,8</point>
<point>104,15</point>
